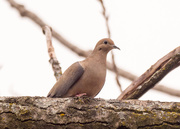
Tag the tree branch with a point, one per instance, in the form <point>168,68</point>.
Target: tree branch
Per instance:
<point>109,36</point>
<point>53,113</point>
<point>25,13</point>
<point>167,90</point>
<point>53,60</point>
<point>152,76</point>
<point>105,17</point>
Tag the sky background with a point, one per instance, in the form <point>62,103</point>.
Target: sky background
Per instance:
<point>144,30</point>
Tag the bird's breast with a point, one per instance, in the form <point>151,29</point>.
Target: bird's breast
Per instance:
<point>95,77</point>
<point>91,81</point>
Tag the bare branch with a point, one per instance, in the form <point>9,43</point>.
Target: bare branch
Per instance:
<point>26,13</point>
<point>109,36</point>
<point>153,75</point>
<point>116,71</point>
<point>53,60</point>
<point>167,90</point>
<point>69,45</point>
<point>86,113</point>
<point>105,17</point>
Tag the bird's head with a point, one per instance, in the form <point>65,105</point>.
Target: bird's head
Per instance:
<point>105,45</point>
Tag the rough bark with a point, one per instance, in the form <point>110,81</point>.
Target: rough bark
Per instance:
<point>89,113</point>
<point>47,30</point>
<point>152,76</point>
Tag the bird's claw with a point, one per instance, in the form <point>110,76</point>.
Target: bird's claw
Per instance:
<point>80,95</point>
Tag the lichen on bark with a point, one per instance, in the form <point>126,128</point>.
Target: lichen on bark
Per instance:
<point>41,112</point>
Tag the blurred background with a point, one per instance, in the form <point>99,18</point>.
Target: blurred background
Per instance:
<point>144,30</point>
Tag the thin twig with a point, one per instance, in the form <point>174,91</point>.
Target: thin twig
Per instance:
<point>167,89</point>
<point>117,75</point>
<point>109,36</point>
<point>153,75</point>
<point>53,60</point>
<point>26,13</point>
<point>105,17</point>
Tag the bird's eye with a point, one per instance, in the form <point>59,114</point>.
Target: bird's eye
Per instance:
<point>105,42</point>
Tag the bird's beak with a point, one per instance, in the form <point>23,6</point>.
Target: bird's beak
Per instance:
<point>115,47</point>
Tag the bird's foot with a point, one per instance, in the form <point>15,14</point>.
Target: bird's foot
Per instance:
<point>80,95</point>
<point>81,98</point>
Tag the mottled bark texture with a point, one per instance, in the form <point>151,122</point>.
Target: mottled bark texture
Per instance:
<point>88,113</point>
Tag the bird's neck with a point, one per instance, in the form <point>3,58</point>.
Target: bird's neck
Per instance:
<point>96,60</point>
<point>99,57</point>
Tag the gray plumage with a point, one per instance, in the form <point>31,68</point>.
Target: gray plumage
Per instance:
<point>68,79</point>
<point>87,76</point>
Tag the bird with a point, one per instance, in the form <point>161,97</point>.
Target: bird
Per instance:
<point>86,77</point>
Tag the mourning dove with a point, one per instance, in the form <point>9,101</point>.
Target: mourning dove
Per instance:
<point>85,77</point>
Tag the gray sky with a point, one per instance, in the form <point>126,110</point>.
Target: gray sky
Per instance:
<point>144,30</point>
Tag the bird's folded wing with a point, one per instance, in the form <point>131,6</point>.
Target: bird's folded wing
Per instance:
<point>66,81</point>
